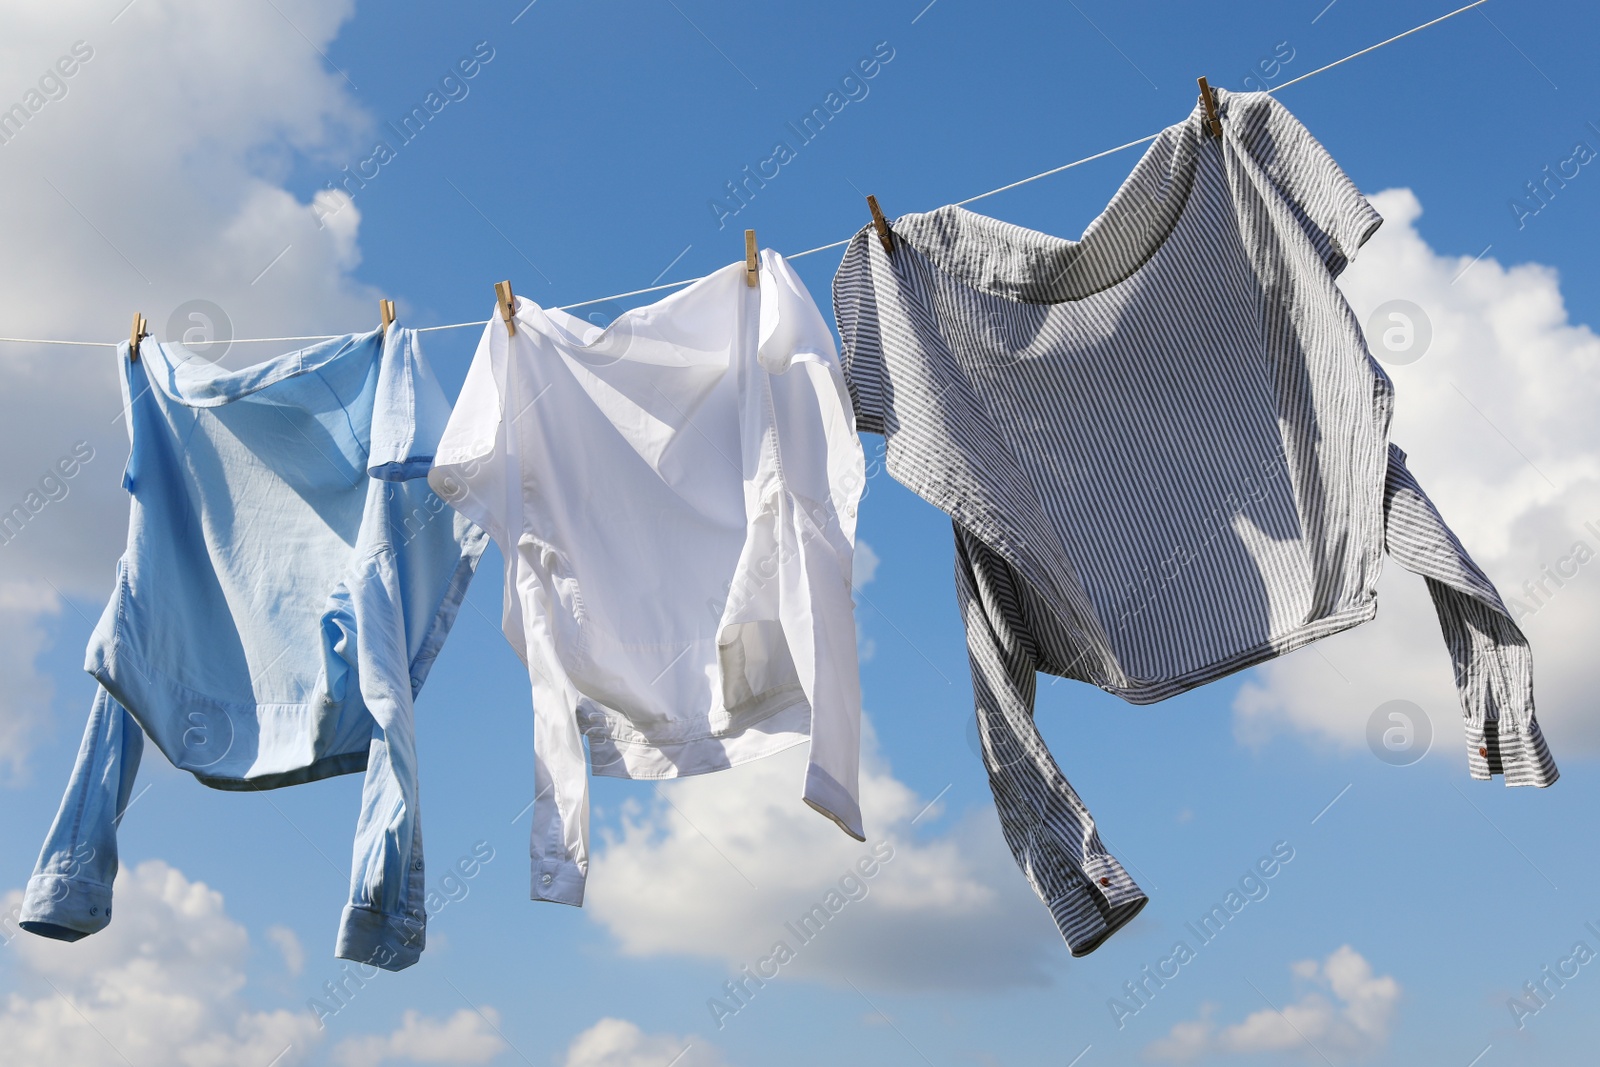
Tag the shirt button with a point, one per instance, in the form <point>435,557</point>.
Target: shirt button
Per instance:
<point>94,911</point>
<point>417,866</point>
<point>1105,881</point>
<point>546,879</point>
<point>1482,751</point>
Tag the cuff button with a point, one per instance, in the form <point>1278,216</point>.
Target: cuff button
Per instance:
<point>1105,881</point>
<point>546,879</point>
<point>1483,750</point>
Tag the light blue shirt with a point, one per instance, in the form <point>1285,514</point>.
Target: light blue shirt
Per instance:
<point>289,579</point>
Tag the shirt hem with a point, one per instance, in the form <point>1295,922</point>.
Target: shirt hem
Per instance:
<point>1281,645</point>
<point>327,767</point>
<point>784,727</point>
<point>155,691</point>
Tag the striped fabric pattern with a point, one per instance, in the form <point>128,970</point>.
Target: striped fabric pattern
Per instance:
<point>1494,670</point>
<point>1164,448</point>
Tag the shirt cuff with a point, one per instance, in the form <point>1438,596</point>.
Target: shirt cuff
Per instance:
<point>824,793</point>
<point>64,908</point>
<point>558,881</point>
<point>392,942</point>
<point>1516,751</point>
<point>1105,902</point>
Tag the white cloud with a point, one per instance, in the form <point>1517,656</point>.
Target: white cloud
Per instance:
<point>1497,419</point>
<point>161,984</point>
<point>465,1037</point>
<point>155,176</point>
<point>289,947</point>
<point>1355,1022</point>
<point>619,1043</point>
<point>866,565</point>
<point>166,983</point>
<point>736,855</point>
<point>155,179</point>
<point>25,697</point>
<point>864,570</point>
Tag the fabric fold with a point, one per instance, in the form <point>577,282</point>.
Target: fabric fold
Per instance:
<point>1164,450</point>
<point>675,496</point>
<point>288,580</point>
<point>1493,667</point>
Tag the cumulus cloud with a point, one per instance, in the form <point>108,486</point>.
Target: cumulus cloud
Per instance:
<point>1355,1021</point>
<point>465,1037</point>
<point>620,1043</point>
<point>289,947</point>
<point>866,565</point>
<point>167,983</point>
<point>1497,420</point>
<point>25,697</point>
<point>162,984</point>
<point>720,866</point>
<point>864,570</point>
<point>151,175</point>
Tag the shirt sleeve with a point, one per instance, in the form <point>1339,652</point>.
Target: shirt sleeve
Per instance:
<point>1336,218</point>
<point>69,895</point>
<point>1047,825</point>
<point>855,312</point>
<point>558,840</point>
<point>823,473</point>
<point>1493,667</point>
<point>385,921</point>
<point>409,412</point>
<point>477,472</point>
<point>470,465</point>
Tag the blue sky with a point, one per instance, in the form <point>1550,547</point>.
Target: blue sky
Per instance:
<point>184,161</point>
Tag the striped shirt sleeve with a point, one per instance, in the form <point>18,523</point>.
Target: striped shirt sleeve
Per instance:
<point>856,314</point>
<point>1050,832</point>
<point>1324,201</point>
<point>1493,667</point>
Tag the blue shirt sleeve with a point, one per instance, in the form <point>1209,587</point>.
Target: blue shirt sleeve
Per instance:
<point>409,411</point>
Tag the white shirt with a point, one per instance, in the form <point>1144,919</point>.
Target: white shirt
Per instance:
<point>675,497</point>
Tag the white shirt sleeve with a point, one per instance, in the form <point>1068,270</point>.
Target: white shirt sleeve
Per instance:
<point>470,465</point>
<point>823,474</point>
<point>559,840</point>
<point>477,469</point>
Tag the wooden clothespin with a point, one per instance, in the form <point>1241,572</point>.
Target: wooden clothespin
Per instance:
<point>752,265</point>
<point>141,330</point>
<point>1211,108</point>
<point>386,314</point>
<point>885,234</point>
<point>508,306</point>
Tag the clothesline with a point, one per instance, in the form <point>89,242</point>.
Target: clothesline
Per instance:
<point>820,248</point>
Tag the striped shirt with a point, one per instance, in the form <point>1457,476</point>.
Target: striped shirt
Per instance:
<point>1164,448</point>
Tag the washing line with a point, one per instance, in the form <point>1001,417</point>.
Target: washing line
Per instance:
<point>820,248</point>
